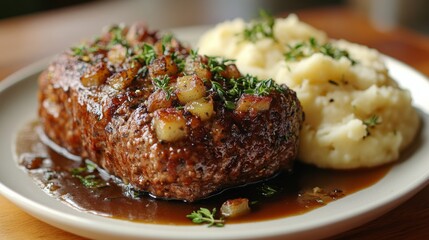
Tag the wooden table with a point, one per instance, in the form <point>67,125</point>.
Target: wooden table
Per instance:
<point>26,39</point>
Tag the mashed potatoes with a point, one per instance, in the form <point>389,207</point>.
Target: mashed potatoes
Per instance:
<point>356,115</point>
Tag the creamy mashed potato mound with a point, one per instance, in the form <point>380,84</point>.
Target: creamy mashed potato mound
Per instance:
<point>355,113</point>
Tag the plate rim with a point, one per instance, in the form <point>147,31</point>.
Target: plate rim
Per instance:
<point>50,215</point>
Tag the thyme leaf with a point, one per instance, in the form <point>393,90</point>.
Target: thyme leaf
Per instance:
<point>203,215</point>
<point>260,28</point>
<point>218,64</point>
<point>194,54</point>
<point>166,39</point>
<point>88,168</point>
<point>307,48</point>
<point>86,176</point>
<point>91,181</point>
<point>295,52</point>
<point>179,60</point>
<point>163,84</point>
<point>372,121</point>
<point>117,36</point>
<point>148,54</point>
<point>231,89</point>
<point>83,50</point>
<point>268,191</point>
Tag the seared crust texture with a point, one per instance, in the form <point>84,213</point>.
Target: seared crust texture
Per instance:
<point>131,102</point>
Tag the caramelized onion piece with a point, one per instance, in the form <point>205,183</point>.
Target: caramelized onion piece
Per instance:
<point>202,108</point>
<point>231,71</point>
<point>235,207</point>
<point>163,65</point>
<point>253,104</point>
<point>159,99</point>
<point>96,75</point>
<point>169,124</point>
<point>123,79</point>
<point>167,46</point>
<point>117,54</point>
<point>192,66</point>
<point>189,88</point>
<point>136,33</point>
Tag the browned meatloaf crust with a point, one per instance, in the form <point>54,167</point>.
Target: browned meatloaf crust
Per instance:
<point>164,119</point>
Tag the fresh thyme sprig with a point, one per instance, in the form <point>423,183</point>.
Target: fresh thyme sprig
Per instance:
<point>222,93</point>
<point>203,215</point>
<point>165,40</point>
<point>163,84</point>
<point>296,52</point>
<point>166,50</point>
<point>194,54</point>
<point>217,65</point>
<point>117,36</point>
<point>147,55</point>
<point>232,88</point>
<point>307,48</point>
<point>83,51</point>
<point>245,84</point>
<point>260,28</point>
<point>179,60</point>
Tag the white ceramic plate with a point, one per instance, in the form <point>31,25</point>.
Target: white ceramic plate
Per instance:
<point>18,105</point>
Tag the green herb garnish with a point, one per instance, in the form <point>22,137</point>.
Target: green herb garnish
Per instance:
<point>217,88</point>
<point>295,52</point>
<point>260,88</point>
<point>218,64</point>
<point>335,53</point>
<point>91,181</point>
<point>166,39</point>
<point>179,60</point>
<point>83,50</point>
<point>268,191</point>
<point>86,176</point>
<point>163,84</point>
<point>232,88</point>
<point>147,55</point>
<point>203,215</point>
<point>372,121</point>
<point>194,54</point>
<point>88,168</point>
<point>308,48</point>
<point>260,28</point>
<point>117,36</point>
<point>142,71</point>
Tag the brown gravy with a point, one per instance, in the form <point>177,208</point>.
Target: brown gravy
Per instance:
<point>285,195</point>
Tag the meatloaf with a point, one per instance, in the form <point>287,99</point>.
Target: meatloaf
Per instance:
<point>165,120</point>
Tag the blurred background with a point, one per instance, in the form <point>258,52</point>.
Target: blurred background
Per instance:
<point>28,33</point>
<point>385,13</point>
